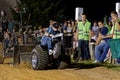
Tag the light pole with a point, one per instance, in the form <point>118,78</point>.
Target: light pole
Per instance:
<point>20,12</point>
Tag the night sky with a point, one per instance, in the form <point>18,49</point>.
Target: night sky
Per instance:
<point>94,9</point>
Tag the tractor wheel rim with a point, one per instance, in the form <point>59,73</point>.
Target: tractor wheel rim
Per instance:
<point>34,60</point>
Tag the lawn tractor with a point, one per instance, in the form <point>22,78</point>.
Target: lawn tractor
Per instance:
<point>40,58</point>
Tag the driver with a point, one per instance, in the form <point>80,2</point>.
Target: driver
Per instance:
<point>47,38</point>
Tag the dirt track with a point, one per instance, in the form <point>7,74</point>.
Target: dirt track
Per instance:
<point>24,72</point>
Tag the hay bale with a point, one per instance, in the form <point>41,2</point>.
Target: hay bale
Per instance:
<point>25,65</point>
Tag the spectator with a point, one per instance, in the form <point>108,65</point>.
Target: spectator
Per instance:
<point>109,26</point>
<point>83,37</point>
<point>10,25</point>
<point>1,34</point>
<point>75,42</point>
<point>102,45</point>
<point>69,28</point>
<point>94,32</point>
<point>6,39</point>
<point>4,25</point>
<point>116,28</point>
<point>41,31</point>
<point>51,22</point>
<point>64,27</point>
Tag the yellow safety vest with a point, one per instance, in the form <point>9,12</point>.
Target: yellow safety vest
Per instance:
<point>116,34</point>
<point>83,30</point>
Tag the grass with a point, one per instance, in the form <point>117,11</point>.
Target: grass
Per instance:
<point>90,64</point>
<point>112,66</point>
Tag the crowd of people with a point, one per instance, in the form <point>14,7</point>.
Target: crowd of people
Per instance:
<point>84,32</point>
<point>6,31</point>
<point>100,33</point>
<point>10,34</point>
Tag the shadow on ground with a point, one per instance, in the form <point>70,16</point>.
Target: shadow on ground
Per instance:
<point>83,65</point>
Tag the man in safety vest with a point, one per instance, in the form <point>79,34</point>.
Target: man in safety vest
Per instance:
<point>84,37</point>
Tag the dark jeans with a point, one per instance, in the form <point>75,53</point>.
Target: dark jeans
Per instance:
<point>118,60</point>
<point>6,42</point>
<point>83,46</point>
<point>1,37</point>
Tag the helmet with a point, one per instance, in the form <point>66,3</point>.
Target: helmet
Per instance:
<point>56,25</point>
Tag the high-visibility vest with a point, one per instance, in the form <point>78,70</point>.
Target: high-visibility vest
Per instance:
<point>83,30</point>
<point>116,34</point>
<point>109,28</point>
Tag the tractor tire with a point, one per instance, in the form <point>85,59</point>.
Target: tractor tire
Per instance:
<point>39,58</point>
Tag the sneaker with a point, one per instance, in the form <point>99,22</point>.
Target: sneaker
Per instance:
<point>117,64</point>
<point>106,59</point>
<point>51,52</point>
<point>96,61</point>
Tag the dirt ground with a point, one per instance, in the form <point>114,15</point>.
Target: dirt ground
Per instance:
<point>76,72</point>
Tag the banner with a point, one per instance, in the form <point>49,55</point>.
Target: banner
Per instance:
<point>78,12</point>
<point>118,9</point>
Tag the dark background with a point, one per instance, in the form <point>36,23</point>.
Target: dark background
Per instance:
<point>94,9</point>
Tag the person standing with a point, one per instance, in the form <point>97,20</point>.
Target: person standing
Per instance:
<point>75,42</point>
<point>64,27</point>
<point>116,25</point>
<point>69,28</point>
<point>83,37</point>
<point>1,33</point>
<point>10,25</point>
<point>116,28</point>
<point>6,39</point>
<point>94,32</point>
